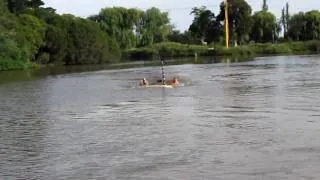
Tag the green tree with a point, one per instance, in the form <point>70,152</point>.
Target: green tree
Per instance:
<point>297,26</point>
<point>285,18</point>
<point>18,6</point>
<point>71,40</point>
<point>154,27</point>
<point>17,46</point>
<point>205,25</point>
<point>305,26</point>
<point>239,19</point>
<point>133,27</point>
<point>3,8</point>
<point>312,25</point>
<point>185,38</point>
<point>264,26</point>
<point>120,23</point>
<point>34,33</point>
<point>34,3</point>
<point>264,6</point>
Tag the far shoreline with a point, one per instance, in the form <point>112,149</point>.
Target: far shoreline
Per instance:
<point>176,53</point>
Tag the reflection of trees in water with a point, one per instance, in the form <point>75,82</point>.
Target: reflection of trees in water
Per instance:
<point>15,76</point>
<point>23,128</point>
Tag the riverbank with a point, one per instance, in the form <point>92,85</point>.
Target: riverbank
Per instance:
<point>170,50</point>
<point>6,65</point>
<point>174,50</point>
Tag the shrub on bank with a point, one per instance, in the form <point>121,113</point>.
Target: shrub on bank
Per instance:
<point>168,49</point>
<point>6,65</point>
<point>313,46</point>
<point>171,49</point>
<point>270,49</point>
<point>298,47</point>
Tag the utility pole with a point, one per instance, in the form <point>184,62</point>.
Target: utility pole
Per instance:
<point>226,22</point>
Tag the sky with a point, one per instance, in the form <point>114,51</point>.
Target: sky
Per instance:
<point>179,10</point>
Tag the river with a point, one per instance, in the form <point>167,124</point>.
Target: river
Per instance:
<point>249,120</point>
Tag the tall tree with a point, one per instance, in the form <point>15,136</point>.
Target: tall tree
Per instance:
<point>312,24</point>
<point>119,22</point>
<point>34,3</point>
<point>134,27</point>
<point>297,26</point>
<point>285,18</point>
<point>3,6</point>
<point>185,38</point>
<point>263,27</point>
<point>18,6</point>
<point>205,25</point>
<point>239,19</point>
<point>264,5</point>
<point>153,27</point>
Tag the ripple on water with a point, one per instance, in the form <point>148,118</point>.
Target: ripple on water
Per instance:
<point>250,120</point>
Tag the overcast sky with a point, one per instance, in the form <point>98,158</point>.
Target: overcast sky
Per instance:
<point>179,10</point>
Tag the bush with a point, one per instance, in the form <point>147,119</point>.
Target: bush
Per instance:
<point>6,65</point>
<point>139,53</point>
<point>298,47</point>
<point>313,46</point>
<point>270,49</point>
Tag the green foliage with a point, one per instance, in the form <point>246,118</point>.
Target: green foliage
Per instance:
<point>240,51</point>
<point>313,46</point>
<point>297,26</point>
<point>170,50</point>
<point>34,3</point>
<point>264,6</point>
<point>134,27</point>
<point>19,6</point>
<point>312,25</point>
<point>6,65</point>
<point>239,19</point>
<point>264,27</point>
<point>166,49</point>
<point>38,35</point>
<point>270,49</point>
<point>305,26</point>
<point>205,26</point>
<point>31,34</point>
<point>16,40</point>
<point>88,44</point>
<point>70,40</point>
<point>3,8</point>
<point>298,47</point>
<point>34,31</point>
<point>285,20</point>
<point>184,38</point>
<point>119,22</point>
<point>153,28</point>
<point>139,53</point>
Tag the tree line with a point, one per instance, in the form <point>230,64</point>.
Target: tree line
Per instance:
<point>33,34</point>
<point>246,26</point>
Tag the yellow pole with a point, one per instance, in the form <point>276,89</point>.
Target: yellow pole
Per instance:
<point>226,20</point>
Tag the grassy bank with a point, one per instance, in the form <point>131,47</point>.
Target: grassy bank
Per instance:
<point>6,65</point>
<point>176,50</point>
<point>170,49</point>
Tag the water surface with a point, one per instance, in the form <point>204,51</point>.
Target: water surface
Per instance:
<point>249,120</point>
